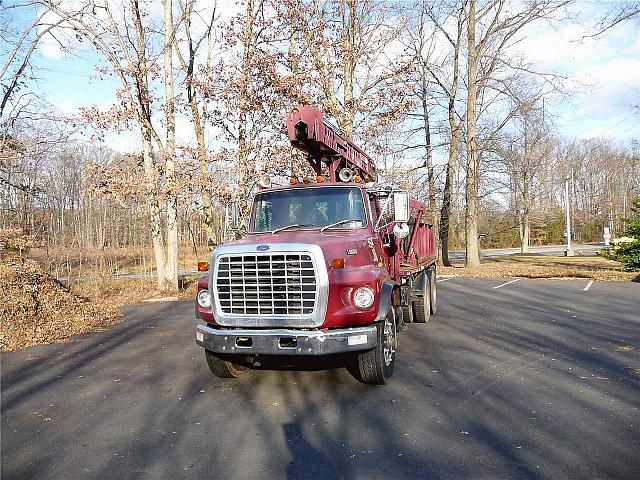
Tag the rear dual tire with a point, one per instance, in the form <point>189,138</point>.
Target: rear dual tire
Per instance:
<point>422,302</point>
<point>425,304</point>
<point>432,290</point>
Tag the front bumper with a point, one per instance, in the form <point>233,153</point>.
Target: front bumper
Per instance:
<point>286,341</point>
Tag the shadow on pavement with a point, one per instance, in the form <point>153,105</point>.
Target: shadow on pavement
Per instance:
<point>525,384</point>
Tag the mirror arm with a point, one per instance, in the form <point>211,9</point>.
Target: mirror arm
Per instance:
<point>383,210</point>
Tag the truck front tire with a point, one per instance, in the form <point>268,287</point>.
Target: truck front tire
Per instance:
<point>224,368</point>
<point>375,367</point>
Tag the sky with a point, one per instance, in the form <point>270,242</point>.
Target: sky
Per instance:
<point>603,76</point>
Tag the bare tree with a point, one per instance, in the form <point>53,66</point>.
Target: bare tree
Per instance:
<point>347,50</point>
<point>124,44</point>
<point>620,12</point>
<point>501,25</point>
<point>527,152</point>
<point>445,73</point>
<point>419,45</point>
<point>195,98</point>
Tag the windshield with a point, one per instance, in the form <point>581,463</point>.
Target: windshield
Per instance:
<point>309,208</point>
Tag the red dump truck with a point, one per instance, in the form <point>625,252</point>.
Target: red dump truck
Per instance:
<point>335,264</point>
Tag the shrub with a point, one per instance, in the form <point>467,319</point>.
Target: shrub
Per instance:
<point>628,253</point>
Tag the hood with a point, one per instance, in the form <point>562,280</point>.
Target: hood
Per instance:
<point>350,245</point>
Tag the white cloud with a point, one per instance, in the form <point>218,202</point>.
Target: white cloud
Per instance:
<point>603,71</point>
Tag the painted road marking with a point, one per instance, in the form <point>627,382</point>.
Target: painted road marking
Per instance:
<point>588,286</point>
<point>508,283</point>
<point>445,279</point>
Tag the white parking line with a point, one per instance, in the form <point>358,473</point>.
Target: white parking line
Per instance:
<point>508,283</point>
<point>588,286</point>
<point>445,279</point>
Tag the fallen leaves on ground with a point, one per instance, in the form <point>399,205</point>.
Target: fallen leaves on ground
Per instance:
<point>626,348</point>
<point>36,308</point>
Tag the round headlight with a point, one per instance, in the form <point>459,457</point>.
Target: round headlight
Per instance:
<point>204,298</point>
<point>363,297</point>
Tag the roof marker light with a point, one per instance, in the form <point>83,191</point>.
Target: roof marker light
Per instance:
<point>264,182</point>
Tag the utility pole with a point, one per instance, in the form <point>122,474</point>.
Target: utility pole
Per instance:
<point>568,252</point>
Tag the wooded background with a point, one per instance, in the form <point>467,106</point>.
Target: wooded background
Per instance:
<point>436,92</point>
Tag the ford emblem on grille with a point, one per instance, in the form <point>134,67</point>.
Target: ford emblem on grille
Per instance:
<point>262,248</point>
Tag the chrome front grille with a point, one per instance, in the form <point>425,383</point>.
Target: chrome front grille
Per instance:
<point>282,284</point>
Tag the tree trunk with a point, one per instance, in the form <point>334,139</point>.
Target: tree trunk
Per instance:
<point>155,218</point>
<point>524,232</point>
<point>171,266</point>
<point>455,129</point>
<point>204,170</point>
<point>246,172</point>
<point>150,170</point>
<point>471,191</point>
<point>524,216</point>
<point>199,130</point>
<point>429,164</point>
<point>445,212</point>
<point>348,113</point>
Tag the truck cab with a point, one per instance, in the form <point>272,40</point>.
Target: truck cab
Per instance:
<point>326,267</point>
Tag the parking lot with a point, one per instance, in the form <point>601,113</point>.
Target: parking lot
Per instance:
<point>514,378</point>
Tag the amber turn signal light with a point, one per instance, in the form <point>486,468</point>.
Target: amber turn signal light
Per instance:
<point>293,181</point>
<point>337,263</point>
<point>319,179</point>
<point>203,266</point>
<point>357,179</point>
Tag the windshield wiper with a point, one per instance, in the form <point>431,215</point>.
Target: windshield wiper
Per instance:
<point>293,225</point>
<point>337,224</point>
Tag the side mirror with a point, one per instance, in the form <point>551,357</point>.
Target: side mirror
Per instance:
<point>234,216</point>
<point>401,230</point>
<point>401,206</point>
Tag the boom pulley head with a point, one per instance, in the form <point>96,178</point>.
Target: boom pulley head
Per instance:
<point>310,133</point>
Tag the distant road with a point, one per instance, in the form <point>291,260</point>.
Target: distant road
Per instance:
<point>551,250</point>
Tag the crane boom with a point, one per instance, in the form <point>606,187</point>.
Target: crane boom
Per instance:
<point>310,133</point>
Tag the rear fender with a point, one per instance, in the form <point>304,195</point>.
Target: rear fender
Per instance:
<point>418,284</point>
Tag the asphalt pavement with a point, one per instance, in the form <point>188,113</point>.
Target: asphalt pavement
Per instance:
<point>532,379</point>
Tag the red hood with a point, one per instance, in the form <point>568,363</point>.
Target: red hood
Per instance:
<point>334,244</point>
<point>359,269</point>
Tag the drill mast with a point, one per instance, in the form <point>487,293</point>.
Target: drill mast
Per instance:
<point>322,143</point>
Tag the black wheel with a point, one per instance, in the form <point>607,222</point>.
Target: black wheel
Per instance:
<point>401,320</point>
<point>224,368</point>
<point>375,367</point>
<point>407,313</point>
<point>422,301</point>
<point>432,290</point>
